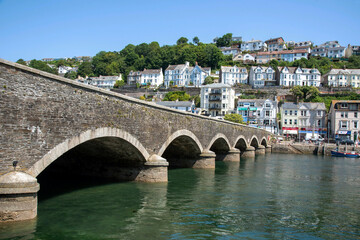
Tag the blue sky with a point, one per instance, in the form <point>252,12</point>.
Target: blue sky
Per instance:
<point>35,29</point>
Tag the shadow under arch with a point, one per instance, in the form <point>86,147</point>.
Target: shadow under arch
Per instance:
<point>264,142</point>
<point>220,145</point>
<point>254,142</point>
<point>241,144</point>
<point>110,137</point>
<point>181,149</point>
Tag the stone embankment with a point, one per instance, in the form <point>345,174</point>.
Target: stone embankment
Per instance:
<point>306,148</point>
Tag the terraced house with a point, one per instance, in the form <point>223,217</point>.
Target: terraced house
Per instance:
<point>152,77</point>
<point>285,55</point>
<point>185,75</point>
<point>342,78</point>
<point>275,44</point>
<point>233,75</point>
<point>262,76</point>
<point>297,76</point>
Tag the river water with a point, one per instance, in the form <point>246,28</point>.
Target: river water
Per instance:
<point>276,196</point>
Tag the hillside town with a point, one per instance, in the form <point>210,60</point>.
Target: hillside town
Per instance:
<point>255,66</point>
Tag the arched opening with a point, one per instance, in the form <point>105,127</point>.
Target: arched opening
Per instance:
<point>241,145</point>
<point>263,142</point>
<point>254,142</point>
<point>182,152</point>
<point>220,147</point>
<point>96,161</point>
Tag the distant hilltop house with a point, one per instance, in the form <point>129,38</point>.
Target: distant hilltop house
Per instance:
<point>352,50</point>
<point>297,76</point>
<point>245,58</point>
<point>52,59</point>
<point>276,44</point>
<point>152,77</point>
<point>330,49</point>
<point>65,69</point>
<point>342,78</point>
<point>253,45</point>
<point>184,75</point>
<point>233,39</point>
<point>232,75</point>
<point>285,55</point>
<point>303,44</point>
<point>230,51</point>
<point>187,106</point>
<point>106,82</point>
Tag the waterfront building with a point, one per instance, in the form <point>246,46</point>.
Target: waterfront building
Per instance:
<point>253,45</point>
<point>344,116</point>
<point>285,55</point>
<point>232,75</point>
<point>297,76</point>
<point>184,75</point>
<point>342,78</point>
<point>298,119</point>
<point>106,82</point>
<point>262,76</point>
<point>152,77</point>
<point>259,113</point>
<point>275,44</point>
<point>217,99</point>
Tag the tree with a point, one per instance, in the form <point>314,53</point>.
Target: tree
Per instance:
<point>233,117</point>
<point>208,80</point>
<point>85,69</point>
<point>42,66</point>
<point>224,41</point>
<point>71,75</point>
<point>21,61</point>
<point>196,40</point>
<point>305,93</point>
<point>181,40</point>
<point>119,84</point>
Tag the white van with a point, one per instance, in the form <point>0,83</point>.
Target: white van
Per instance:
<point>313,137</point>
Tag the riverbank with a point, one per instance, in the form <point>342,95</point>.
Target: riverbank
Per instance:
<point>307,148</point>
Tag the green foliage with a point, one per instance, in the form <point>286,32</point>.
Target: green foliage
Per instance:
<point>196,100</point>
<point>196,40</point>
<point>233,117</point>
<point>305,93</point>
<point>278,116</point>
<point>178,95</point>
<point>142,98</point>
<point>181,40</point>
<point>85,69</point>
<point>71,74</point>
<point>208,80</point>
<point>21,61</point>
<point>244,96</point>
<point>119,84</point>
<point>42,66</point>
<point>224,41</point>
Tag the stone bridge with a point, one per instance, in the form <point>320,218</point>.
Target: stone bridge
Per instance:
<point>56,125</point>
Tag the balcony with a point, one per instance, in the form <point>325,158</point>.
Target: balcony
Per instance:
<point>214,107</point>
<point>215,92</point>
<point>214,99</point>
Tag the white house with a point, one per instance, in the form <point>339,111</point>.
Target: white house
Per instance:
<point>275,44</point>
<point>232,75</point>
<point>253,45</point>
<point>185,75</point>
<point>304,43</point>
<point>330,49</point>
<point>65,69</point>
<point>259,113</point>
<point>152,77</point>
<point>297,76</point>
<point>230,51</point>
<point>186,106</point>
<point>342,78</point>
<point>245,58</point>
<point>262,76</point>
<point>217,99</point>
<point>106,82</point>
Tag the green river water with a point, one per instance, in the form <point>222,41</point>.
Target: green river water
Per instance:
<point>277,196</point>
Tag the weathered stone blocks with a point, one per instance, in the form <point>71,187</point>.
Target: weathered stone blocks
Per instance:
<point>206,160</point>
<point>260,150</point>
<point>249,152</point>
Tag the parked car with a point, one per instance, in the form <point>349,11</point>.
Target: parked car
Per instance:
<point>347,141</point>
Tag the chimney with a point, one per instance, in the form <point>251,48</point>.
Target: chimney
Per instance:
<point>187,63</point>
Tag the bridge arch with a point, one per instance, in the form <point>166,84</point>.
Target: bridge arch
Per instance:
<point>219,142</point>
<point>264,142</point>
<point>254,142</point>
<point>83,137</point>
<point>181,149</point>
<point>241,143</point>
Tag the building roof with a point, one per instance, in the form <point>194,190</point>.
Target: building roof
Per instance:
<point>151,71</point>
<point>308,105</point>
<point>275,39</point>
<point>175,103</point>
<point>258,102</point>
<point>251,41</point>
<point>344,71</point>
<point>283,52</point>
<point>216,85</point>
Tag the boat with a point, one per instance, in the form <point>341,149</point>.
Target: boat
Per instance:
<point>351,154</point>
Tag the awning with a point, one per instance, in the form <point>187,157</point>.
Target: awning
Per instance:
<point>245,109</point>
<point>290,132</point>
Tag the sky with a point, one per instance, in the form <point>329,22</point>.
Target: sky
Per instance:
<point>36,29</point>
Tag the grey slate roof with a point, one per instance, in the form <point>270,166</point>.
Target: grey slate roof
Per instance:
<point>216,85</point>
<point>175,103</point>
<point>344,71</point>
<point>308,105</point>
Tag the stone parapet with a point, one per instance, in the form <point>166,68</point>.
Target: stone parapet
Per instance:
<point>18,196</point>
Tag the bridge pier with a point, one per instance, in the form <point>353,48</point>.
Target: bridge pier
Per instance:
<point>268,149</point>
<point>18,196</point>
<point>249,152</point>
<point>206,160</point>
<point>154,170</point>
<point>233,155</point>
<point>260,150</point>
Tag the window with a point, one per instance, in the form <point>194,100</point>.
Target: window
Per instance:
<point>343,124</point>
<point>319,113</point>
<point>295,112</point>
<point>267,105</point>
<point>252,104</point>
<point>290,112</point>
<point>290,121</point>
<point>285,121</point>
<point>355,114</point>
<point>355,124</point>
<point>344,105</point>
<point>285,112</point>
<point>241,104</point>
<point>319,123</point>
<point>267,113</point>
